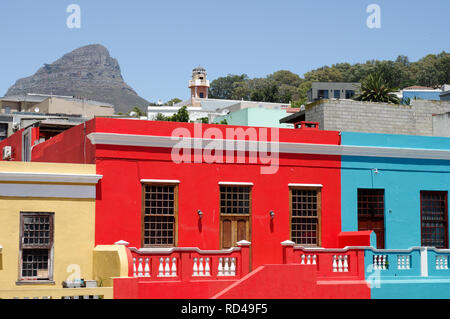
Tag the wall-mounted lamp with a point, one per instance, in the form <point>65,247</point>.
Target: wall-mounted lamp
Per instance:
<point>272,214</point>
<point>375,170</point>
<point>200,214</point>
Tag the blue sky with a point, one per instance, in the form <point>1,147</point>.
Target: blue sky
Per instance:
<point>158,43</point>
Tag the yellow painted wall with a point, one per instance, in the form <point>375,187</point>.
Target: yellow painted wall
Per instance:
<point>74,226</point>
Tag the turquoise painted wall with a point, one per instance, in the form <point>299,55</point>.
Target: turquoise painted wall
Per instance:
<point>402,180</point>
<point>256,117</point>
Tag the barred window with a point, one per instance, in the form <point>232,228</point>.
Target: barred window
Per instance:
<point>371,203</point>
<point>160,215</point>
<point>36,245</point>
<point>235,200</point>
<point>305,216</point>
<point>434,216</point>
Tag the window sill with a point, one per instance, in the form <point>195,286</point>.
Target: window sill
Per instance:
<point>34,282</point>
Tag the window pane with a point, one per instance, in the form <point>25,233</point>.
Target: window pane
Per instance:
<point>434,219</point>
<point>159,215</point>
<point>235,200</point>
<point>305,217</point>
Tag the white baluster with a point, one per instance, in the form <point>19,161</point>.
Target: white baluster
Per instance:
<point>200,268</point>
<point>174,267</point>
<point>147,268</point>
<point>334,264</point>
<point>167,268</point>
<point>445,262</point>
<point>227,267</point>
<point>340,264</point>
<point>407,262</point>
<point>220,268</point>
<point>233,267</point>
<point>195,270</point>
<point>161,267</point>
<point>134,267</point>
<point>140,269</point>
<point>438,262</point>
<point>345,263</point>
<point>303,260</point>
<point>375,262</point>
<point>314,260</point>
<point>308,260</point>
<point>207,267</point>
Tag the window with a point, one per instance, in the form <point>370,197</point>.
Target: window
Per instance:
<point>160,215</point>
<point>202,95</point>
<point>434,214</point>
<point>305,216</point>
<point>337,94</point>
<point>323,94</point>
<point>235,209</point>
<point>36,246</point>
<point>349,94</point>
<point>3,131</point>
<point>371,213</point>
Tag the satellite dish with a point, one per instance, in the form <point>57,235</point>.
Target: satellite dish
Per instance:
<point>36,110</point>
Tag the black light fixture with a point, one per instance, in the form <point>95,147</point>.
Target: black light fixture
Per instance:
<point>200,214</point>
<point>272,214</point>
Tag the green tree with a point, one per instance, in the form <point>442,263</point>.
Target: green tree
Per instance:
<point>137,112</point>
<point>173,101</point>
<point>181,116</point>
<point>222,88</point>
<point>374,88</point>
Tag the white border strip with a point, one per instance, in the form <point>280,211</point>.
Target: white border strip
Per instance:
<point>49,178</point>
<point>168,251</point>
<point>293,148</point>
<point>47,191</point>
<point>305,185</point>
<point>236,183</point>
<point>160,181</point>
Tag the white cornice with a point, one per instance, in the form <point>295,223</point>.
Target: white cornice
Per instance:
<point>160,181</point>
<point>236,183</point>
<point>283,147</point>
<point>304,185</point>
<point>49,178</point>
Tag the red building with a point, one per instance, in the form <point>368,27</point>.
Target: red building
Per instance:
<point>280,188</point>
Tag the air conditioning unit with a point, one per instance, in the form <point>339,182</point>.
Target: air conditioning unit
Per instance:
<point>7,153</point>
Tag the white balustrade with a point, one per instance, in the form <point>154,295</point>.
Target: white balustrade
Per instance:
<point>380,262</point>
<point>201,267</point>
<point>403,262</point>
<point>167,267</point>
<point>308,260</point>
<point>441,262</point>
<point>226,267</point>
<point>134,267</point>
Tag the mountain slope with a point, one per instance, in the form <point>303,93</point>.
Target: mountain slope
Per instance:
<point>87,72</point>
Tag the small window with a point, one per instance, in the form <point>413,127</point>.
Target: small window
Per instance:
<point>160,215</point>
<point>36,245</point>
<point>202,95</point>
<point>349,94</point>
<point>434,214</point>
<point>305,216</point>
<point>337,94</point>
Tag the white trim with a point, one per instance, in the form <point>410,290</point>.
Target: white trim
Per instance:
<point>283,147</point>
<point>305,185</point>
<point>168,251</point>
<point>160,181</point>
<point>236,183</point>
<point>49,178</point>
<point>47,190</point>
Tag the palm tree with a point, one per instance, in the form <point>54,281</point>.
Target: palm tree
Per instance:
<point>374,88</point>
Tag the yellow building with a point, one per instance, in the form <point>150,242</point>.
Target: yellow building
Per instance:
<point>47,230</point>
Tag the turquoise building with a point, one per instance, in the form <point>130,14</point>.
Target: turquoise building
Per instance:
<point>403,197</point>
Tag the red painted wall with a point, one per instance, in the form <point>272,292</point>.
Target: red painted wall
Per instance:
<point>15,141</point>
<point>118,207</point>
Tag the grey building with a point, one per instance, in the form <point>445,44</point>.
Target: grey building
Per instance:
<point>333,90</point>
<point>419,118</point>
